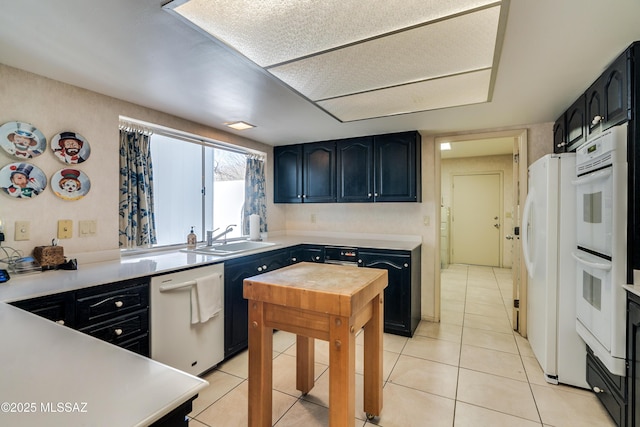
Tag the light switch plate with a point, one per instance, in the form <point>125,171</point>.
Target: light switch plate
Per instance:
<point>22,231</point>
<point>87,228</point>
<point>65,229</point>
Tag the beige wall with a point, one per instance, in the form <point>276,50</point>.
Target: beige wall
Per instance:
<point>502,164</point>
<point>55,107</point>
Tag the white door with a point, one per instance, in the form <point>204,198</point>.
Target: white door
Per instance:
<point>476,219</point>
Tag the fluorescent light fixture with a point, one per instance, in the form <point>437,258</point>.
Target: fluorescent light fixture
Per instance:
<point>357,61</point>
<point>445,146</point>
<point>239,125</point>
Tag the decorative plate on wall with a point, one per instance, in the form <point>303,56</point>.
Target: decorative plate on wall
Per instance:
<point>22,140</point>
<point>70,147</point>
<point>22,180</point>
<point>70,184</point>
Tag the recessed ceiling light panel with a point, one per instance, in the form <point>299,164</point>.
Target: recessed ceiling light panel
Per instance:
<point>275,31</point>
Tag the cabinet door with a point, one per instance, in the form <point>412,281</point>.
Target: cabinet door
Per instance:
<point>595,108</point>
<point>616,93</point>
<point>313,253</point>
<point>396,167</point>
<point>397,294</point>
<point>633,356</point>
<point>287,174</point>
<point>58,308</point>
<point>355,169</point>
<point>236,323</point>
<point>576,124</point>
<point>319,172</point>
<point>560,135</point>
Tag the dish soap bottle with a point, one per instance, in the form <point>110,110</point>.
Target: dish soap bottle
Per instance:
<point>191,239</point>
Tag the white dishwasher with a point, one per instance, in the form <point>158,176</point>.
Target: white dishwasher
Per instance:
<point>175,340</point>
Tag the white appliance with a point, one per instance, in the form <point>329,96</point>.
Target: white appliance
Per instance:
<point>548,241</point>
<point>601,216</point>
<point>175,340</point>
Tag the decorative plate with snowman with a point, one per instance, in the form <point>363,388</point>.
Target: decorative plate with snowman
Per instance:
<point>70,184</point>
<point>22,140</point>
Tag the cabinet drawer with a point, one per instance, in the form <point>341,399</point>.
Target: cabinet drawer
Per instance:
<point>139,344</point>
<point>58,308</point>
<point>120,329</point>
<point>93,306</point>
<point>598,379</point>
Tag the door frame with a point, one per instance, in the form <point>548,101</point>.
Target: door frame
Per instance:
<point>520,172</point>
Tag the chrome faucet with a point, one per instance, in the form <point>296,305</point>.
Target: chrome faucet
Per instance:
<point>211,237</point>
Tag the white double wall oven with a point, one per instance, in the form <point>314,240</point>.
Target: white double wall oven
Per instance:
<point>601,252</point>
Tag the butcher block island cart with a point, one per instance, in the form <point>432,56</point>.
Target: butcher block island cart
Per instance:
<point>323,301</point>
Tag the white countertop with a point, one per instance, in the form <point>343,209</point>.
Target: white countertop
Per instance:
<point>158,262</point>
<point>46,367</point>
<point>634,289</point>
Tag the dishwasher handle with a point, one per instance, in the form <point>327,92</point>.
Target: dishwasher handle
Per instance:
<point>175,286</point>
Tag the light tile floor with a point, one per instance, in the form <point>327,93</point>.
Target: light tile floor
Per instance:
<point>469,370</point>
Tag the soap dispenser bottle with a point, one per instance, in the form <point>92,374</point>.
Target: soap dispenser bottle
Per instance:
<point>191,239</point>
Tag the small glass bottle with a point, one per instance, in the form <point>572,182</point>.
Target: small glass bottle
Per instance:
<point>191,239</point>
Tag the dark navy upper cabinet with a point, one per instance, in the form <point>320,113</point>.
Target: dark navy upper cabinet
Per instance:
<point>355,169</point>
<point>380,168</point>
<point>319,172</point>
<point>305,173</point>
<point>608,100</point>
<point>287,174</point>
<point>397,164</point>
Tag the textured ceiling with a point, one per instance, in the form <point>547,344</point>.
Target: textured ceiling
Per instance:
<point>359,62</point>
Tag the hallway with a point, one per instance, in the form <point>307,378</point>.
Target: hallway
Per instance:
<point>469,370</point>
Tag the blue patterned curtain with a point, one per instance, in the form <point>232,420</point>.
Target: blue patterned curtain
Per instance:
<point>255,198</point>
<point>137,224</point>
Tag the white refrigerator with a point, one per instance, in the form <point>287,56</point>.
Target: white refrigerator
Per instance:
<point>548,239</point>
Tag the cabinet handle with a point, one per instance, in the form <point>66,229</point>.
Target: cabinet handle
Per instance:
<point>598,390</point>
<point>317,258</point>
<point>119,304</point>
<point>369,195</point>
<point>60,322</point>
<point>359,261</point>
<point>304,196</point>
<point>562,144</point>
<point>298,196</point>
<point>294,259</point>
<point>118,332</point>
<point>596,120</point>
<point>406,265</point>
<point>375,194</point>
<point>259,268</point>
<point>264,267</point>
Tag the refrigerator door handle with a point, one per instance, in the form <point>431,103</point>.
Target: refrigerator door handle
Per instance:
<point>530,263</point>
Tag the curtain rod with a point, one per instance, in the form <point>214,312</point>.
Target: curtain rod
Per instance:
<point>189,137</point>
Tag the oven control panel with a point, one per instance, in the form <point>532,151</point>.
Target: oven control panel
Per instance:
<point>340,255</point>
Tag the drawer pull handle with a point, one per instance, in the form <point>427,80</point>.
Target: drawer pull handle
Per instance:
<point>60,322</point>
<point>259,268</point>
<point>118,332</point>
<point>119,304</point>
<point>598,390</point>
<point>406,265</point>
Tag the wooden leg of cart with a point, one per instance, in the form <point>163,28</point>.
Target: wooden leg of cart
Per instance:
<point>342,370</point>
<point>373,359</point>
<point>260,367</point>
<point>305,363</point>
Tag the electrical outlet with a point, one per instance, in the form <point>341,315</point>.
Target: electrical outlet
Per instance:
<point>426,220</point>
<point>65,229</point>
<point>23,231</point>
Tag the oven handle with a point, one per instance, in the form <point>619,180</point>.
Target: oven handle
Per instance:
<point>596,265</point>
<point>525,235</point>
<point>594,176</point>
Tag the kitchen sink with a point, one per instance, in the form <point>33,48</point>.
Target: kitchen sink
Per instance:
<point>230,247</point>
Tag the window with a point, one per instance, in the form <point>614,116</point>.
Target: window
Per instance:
<point>195,185</point>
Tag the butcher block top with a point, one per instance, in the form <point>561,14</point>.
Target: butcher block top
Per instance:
<point>327,288</point>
